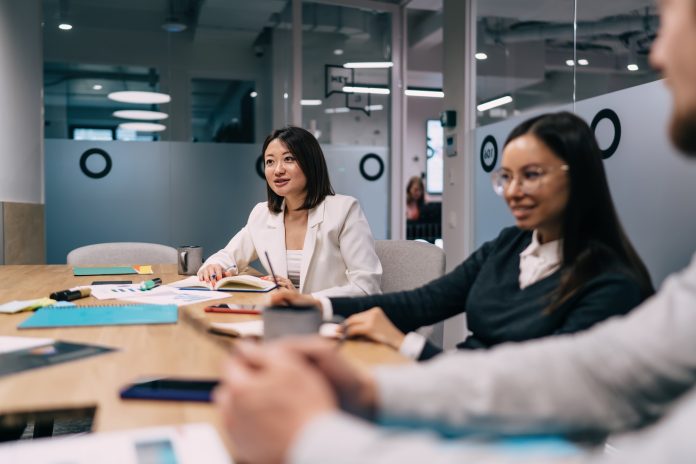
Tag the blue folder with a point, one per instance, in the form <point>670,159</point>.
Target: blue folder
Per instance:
<point>78,316</point>
<point>111,270</point>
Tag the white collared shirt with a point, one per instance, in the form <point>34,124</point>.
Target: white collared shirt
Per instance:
<point>538,260</point>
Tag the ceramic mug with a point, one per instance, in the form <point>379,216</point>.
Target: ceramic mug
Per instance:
<point>190,259</point>
<point>283,321</point>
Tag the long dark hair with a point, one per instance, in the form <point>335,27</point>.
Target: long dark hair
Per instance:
<point>592,234</point>
<point>309,156</point>
<point>409,199</point>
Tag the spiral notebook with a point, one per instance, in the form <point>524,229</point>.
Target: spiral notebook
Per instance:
<point>83,316</point>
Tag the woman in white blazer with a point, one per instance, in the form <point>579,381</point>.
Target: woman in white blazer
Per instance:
<point>318,242</point>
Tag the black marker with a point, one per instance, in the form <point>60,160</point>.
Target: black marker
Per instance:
<point>69,295</point>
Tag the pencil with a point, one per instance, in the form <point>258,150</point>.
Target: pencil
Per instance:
<point>275,280</point>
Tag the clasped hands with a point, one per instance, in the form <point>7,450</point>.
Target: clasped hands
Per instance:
<point>269,393</point>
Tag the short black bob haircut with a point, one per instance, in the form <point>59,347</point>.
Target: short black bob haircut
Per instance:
<point>591,229</point>
<point>307,152</point>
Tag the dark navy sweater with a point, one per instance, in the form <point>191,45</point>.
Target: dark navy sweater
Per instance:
<point>486,287</point>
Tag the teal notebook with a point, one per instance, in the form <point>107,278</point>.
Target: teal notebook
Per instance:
<point>78,316</point>
<point>111,270</point>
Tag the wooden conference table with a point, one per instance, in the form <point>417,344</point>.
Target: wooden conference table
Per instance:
<point>145,350</point>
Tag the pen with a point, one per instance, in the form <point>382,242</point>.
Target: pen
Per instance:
<point>150,284</point>
<point>235,309</point>
<point>275,280</point>
<point>69,295</point>
<point>225,271</point>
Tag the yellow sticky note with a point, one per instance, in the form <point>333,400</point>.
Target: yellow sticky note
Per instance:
<point>25,305</point>
<point>143,269</point>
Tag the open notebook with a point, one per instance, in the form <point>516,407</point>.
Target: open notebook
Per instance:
<point>239,283</point>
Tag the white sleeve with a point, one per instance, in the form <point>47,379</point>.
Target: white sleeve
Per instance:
<point>669,440</point>
<point>363,269</point>
<point>326,308</point>
<point>342,439</point>
<point>412,346</point>
<point>619,375</point>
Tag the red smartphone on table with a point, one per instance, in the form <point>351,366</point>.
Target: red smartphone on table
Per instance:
<point>234,309</point>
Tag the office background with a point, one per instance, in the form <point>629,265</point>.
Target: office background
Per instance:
<point>238,70</point>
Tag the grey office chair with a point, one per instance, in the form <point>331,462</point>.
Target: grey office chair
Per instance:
<point>123,253</point>
<point>407,264</point>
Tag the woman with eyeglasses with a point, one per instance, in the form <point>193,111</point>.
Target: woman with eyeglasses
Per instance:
<point>563,267</point>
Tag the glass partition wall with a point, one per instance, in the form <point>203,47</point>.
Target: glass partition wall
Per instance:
<point>211,81</point>
<point>586,56</point>
<point>208,62</point>
<point>346,99</point>
<point>589,57</point>
<point>552,56</point>
<point>346,67</point>
<point>530,56</point>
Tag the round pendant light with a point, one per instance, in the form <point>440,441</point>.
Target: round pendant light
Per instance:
<point>134,96</point>
<point>143,115</point>
<point>142,126</point>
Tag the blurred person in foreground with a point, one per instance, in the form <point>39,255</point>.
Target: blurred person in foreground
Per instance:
<point>301,402</point>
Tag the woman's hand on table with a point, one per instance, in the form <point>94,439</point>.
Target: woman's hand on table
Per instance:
<point>376,326</point>
<point>283,283</point>
<point>293,298</point>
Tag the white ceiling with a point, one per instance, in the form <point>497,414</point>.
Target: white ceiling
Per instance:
<point>558,10</point>
<point>610,31</point>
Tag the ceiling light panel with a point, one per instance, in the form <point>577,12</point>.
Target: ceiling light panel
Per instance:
<point>143,115</point>
<point>143,126</point>
<point>369,65</point>
<point>147,98</point>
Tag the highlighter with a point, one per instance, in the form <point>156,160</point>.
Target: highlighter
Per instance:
<point>150,284</point>
<point>69,295</point>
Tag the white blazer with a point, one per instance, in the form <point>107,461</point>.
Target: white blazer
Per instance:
<point>338,256</point>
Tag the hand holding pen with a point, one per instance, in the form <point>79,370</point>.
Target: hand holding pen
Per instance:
<point>270,266</point>
<point>214,272</point>
<point>281,282</point>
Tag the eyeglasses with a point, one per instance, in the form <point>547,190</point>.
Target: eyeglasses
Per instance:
<point>530,180</point>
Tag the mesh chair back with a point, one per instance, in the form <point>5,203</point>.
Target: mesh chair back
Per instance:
<point>407,264</point>
<point>123,253</point>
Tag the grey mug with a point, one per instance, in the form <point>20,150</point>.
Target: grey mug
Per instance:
<point>190,259</point>
<point>282,321</point>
